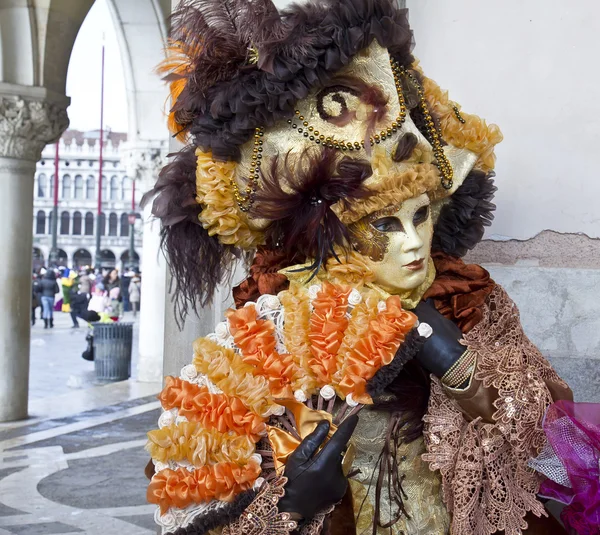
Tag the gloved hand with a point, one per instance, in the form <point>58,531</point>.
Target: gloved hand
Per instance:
<point>442,349</point>
<point>315,480</point>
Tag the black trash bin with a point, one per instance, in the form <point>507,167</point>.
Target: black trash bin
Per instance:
<point>112,351</point>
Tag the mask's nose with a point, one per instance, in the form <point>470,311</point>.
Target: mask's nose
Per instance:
<point>413,240</point>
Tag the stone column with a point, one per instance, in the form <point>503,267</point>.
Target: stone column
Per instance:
<point>26,126</point>
<point>144,160</point>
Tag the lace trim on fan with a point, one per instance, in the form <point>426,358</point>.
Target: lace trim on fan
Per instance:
<point>487,485</point>
<point>262,517</point>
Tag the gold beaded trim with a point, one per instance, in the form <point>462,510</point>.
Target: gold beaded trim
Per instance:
<point>306,129</point>
<point>435,136</point>
<point>458,115</point>
<point>252,55</point>
<point>461,371</point>
<point>246,200</point>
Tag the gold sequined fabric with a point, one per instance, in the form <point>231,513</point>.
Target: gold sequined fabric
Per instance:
<point>427,514</point>
<point>262,517</point>
<point>487,485</point>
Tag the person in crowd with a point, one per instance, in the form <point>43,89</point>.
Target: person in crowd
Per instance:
<point>99,301</point>
<point>47,289</point>
<point>69,283</point>
<point>79,304</point>
<point>125,281</point>
<point>116,304</point>
<point>35,301</point>
<point>85,282</point>
<point>112,280</point>
<point>134,294</point>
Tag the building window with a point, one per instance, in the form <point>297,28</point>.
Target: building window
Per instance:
<point>89,224</point>
<point>125,224</point>
<point>66,187</point>
<point>126,188</point>
<point>102,223</point>
<point>114,188</point>
<point>77,223</point>
<point>90,186</point>
<point>112,224</point>
<point>50,222</point>
<point>40,222</point>
<point>42,185</point>
<point>51,188</point>
<point>64,223</point>
<point>79,187</point>
<point>104,188</point>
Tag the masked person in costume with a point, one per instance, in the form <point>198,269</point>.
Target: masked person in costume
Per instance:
<point>368,380</point>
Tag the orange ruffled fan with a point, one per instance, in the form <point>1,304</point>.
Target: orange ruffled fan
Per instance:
<point>319,346</point>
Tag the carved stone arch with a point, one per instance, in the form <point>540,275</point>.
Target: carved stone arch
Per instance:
<point>142,31</point>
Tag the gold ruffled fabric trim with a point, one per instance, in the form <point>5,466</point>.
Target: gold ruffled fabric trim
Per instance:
<point>226,369</point>
<point>391,188</point>
<point>221,216</point>
<point>474,134</point>
<point>192,442</point>
<point>296,305</point>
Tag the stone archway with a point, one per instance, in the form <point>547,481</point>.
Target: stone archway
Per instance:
<point>36,46</point>
<point>107,259</point>
<point>82,258</point>
<point>62,258</point>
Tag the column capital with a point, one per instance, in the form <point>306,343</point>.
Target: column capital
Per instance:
<point>144,160</point>
<point>27,125</point>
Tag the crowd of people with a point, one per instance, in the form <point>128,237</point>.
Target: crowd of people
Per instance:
<point>91,295</point>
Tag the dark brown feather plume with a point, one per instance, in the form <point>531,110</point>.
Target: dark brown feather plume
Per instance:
<point>296,196</point>
<point>198,262</point>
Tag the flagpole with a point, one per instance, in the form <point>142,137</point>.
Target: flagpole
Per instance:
<point>132,226</point>
<point>100,164</point>
<point>53,260</point>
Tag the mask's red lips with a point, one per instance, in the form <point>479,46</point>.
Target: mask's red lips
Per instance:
<point>416,265</point>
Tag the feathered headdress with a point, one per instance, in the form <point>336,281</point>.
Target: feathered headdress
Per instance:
<point>238,68</point>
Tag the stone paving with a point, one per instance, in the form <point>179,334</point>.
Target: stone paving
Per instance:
<point>77,464</point>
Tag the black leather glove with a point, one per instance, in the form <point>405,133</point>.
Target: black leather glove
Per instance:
<point>442,349</point>
<point>315,480</point>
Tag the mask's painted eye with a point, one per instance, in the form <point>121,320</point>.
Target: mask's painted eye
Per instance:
<point>388,224</point>
<point>334,103</point>
<point>421,215</point>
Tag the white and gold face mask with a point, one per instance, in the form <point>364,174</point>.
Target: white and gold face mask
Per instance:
<point>396,242</point>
